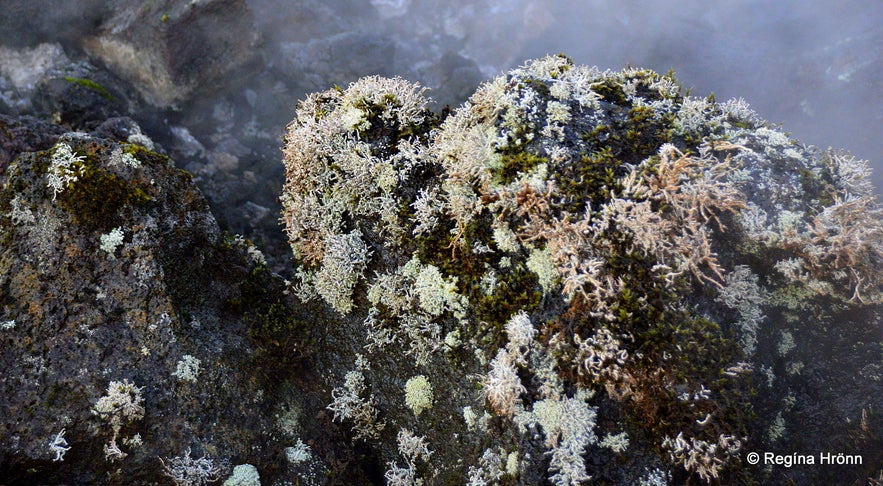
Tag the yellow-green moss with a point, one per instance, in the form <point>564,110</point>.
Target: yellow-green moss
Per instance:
<point>90,85</point>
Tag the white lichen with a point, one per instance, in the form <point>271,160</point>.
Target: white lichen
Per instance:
<point>65,167</point>
<point>112,240</point>
<point>187,368</point>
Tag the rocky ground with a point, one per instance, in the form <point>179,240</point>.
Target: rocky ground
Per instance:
<point>676,276</point>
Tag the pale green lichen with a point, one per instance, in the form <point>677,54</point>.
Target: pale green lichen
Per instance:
<point>112,240</point>
<point>187,369</point>
<point>418,394</point>
<point>540,262</point>
<point>786,344</point>
<point>244,475</point>
<point>345,259</point>
<point>349,405</point>
<point>437,293</point>
<point>20,213</point>
<point>617,443</point>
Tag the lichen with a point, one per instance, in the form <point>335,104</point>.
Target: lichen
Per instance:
<point>570,237</point>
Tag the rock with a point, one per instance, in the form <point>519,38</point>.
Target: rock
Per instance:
<point>589,274</point>
<point>24,134</point>
<point>36,21</point>
<point>168,50</point>
<point>120,293</point>
<point>577,273</point>
<point>24,68</point>
<point>81,96</point>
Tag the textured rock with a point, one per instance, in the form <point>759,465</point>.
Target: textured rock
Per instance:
<point>591,274</point>
<point>172,48</point>
<point>121,278</point>
<point>25,134</point>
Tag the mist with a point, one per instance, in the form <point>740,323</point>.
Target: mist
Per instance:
<point>815,67</point>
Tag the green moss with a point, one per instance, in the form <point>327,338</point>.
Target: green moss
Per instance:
<point>90,85</point>
<point>517,287</point>
<point>593,180</point>
<point>819,187</point>
<point>511,164</point>
<point>668,346</point>
<point>280,335</point>
<point>538,85</point>
<point>645,131</point>
<point>611,91</point>
<point>144,154</point>
<point>97,199</point>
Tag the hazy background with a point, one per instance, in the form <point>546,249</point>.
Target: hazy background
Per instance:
<point>816,67</point>
<point>238,68</point>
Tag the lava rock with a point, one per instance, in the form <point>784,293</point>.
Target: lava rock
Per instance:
<point>171,49</point>
<point>118,285</point>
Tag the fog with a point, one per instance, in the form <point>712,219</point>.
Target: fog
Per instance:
<point>814,67</point>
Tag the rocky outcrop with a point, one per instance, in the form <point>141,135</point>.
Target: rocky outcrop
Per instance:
<point>172,48</point>
<point>578,273</point>
<point>133,329</point>
<point>586,274</point>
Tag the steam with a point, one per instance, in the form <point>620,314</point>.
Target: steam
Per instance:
<point>815,67</point>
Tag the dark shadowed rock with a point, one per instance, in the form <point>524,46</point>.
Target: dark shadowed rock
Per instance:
<point>24,134</point>
<point>116,276</point>
<point>80,95</point>
<point>170,49</point>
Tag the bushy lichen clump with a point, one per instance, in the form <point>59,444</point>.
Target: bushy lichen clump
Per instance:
<point>585,241</point>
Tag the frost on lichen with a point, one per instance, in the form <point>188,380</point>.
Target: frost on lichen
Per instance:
<point>21,213</point>
<point>187,368</point>
<point>65,167</point>
<point>707,459</point>
<point>346,257</point>
<point>571,231</point>
<point>349,404</point>
<point>122,404</point>
<point>568,425</point>
<point>412,448</point>
<point>186,470</point>
<point>743,294</point>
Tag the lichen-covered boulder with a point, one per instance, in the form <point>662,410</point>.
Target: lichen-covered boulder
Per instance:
<point>140,344</point>
<point>586,274</point>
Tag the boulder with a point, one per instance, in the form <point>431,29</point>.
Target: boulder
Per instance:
<point>140,342</point>
<point>584,273</point>
<point>171,49</point>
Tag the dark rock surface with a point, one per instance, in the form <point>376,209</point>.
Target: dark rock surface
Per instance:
<point>82,310</point>
<point>170,49</point>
